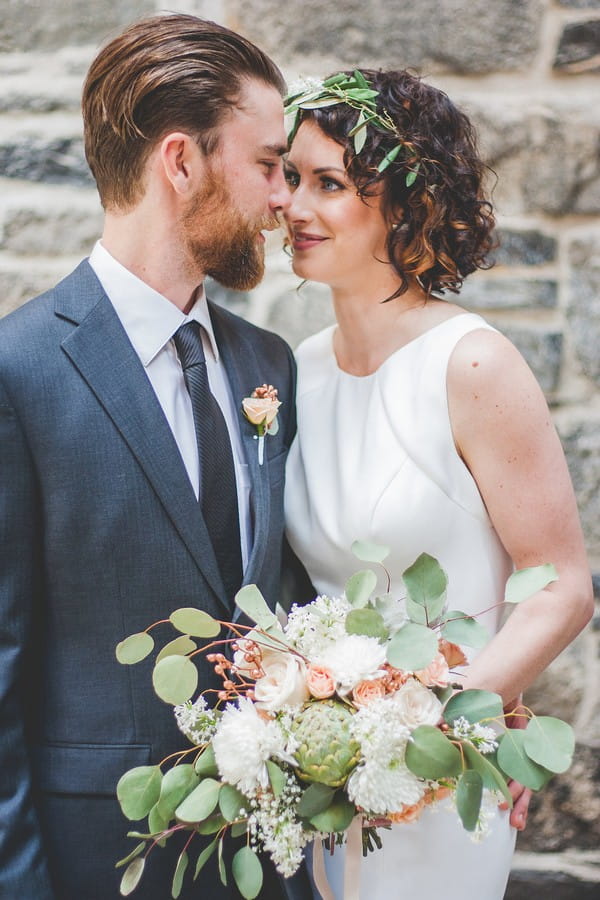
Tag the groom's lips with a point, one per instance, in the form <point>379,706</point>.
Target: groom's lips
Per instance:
<point>304,241</point>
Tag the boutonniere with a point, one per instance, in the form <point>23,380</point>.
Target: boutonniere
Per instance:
<point>261,409</point>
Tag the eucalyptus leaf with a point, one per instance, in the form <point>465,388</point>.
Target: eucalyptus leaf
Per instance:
<point>182,864</point>
<point>368,622</point>
<point>231,801</point>
<point>251,602</point>
<point>550,742</point>
<point>205,763</point>
<point>212,824</point>
<point>336,817</point>
<point>204,856</point>
<point>131,876</point>
<point>459,628</point>
<point>525,582</point>
<point>175,679</point>
<point>314,800</point>
<point>177,783</point>
<point>196,622</point>
<point>426,583</point>
<point>134,648</point>
<point>221,861</point>
<point>367,551</point>
<point>514,761</point>
<point>276,777</point>
<point>247,873</point>
<point>158,821</point>
<point>469,791</point>
<point>492,778</point>
<point>360,586</point>
<point>180,646</point>
<point>135,852</point>
<point>238,829</point>
<point>138,790</point>
<point>200,803</point>
<point>430,754</point>
<point>412,648</point>
<point>474,705</point>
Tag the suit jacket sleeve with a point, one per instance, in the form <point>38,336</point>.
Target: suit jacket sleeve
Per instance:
<point>23,869</point>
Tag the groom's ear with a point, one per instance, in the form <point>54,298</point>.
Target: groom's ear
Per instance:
<point>182,162</point>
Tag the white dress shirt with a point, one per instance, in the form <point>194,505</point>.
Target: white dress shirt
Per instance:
<point>150,321</point>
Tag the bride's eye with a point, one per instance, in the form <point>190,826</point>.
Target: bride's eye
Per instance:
<point>292,178</point>
<point>330,184</point>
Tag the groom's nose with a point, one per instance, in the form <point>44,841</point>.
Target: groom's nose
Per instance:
<point>281,196</point>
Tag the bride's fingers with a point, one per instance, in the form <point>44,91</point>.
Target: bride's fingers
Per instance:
<point>521,797</point>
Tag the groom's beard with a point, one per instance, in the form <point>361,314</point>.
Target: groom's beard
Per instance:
<point>222,242</point>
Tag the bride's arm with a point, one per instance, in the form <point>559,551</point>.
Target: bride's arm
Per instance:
<point>504,433</point>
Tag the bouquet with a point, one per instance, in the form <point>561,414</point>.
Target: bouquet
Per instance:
<point>347,712</point>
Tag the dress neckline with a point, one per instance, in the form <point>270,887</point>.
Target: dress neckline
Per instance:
<point>395,353</point>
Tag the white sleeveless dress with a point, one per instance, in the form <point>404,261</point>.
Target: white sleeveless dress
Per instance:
<point>374,459</point>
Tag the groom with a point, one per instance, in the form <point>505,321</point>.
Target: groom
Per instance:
<point>109,517</point>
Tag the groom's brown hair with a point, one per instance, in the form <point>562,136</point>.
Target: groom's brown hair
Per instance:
<point>164,73</point>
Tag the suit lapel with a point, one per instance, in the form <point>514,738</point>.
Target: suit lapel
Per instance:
<point>102,353</point>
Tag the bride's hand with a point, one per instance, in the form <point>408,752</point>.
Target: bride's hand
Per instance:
<point>520,795</point>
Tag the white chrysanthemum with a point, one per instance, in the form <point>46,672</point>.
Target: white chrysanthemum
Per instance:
<point>380,730</point>
<point>243,743</point>
<point>381,789</point>
<point>353,658</point>
<point>314,627</point>
<point>196,720</point>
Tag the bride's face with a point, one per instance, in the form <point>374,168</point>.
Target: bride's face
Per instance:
<point>336,237</point>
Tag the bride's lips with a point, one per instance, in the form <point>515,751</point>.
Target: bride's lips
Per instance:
<point>304,241</point>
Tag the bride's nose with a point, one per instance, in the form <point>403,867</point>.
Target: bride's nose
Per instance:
<point>298,209</point>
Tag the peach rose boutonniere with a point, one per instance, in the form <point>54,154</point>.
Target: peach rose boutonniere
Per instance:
<point>261,409</point>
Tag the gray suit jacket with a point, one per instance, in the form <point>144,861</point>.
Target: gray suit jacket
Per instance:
<point>101,535</point>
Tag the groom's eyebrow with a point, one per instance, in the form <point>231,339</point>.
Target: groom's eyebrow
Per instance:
<point>276,149</point>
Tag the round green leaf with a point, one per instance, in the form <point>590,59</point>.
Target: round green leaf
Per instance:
<point>429,754</point>
<point>231,801</point>
<point>462,629</point>
<point>315,799</point>
<point>175,679</point>
<point>134,648</point>
<point>360,586</point>
<point>180,646</point>
<point>550,742</point>
<point>525,582</point>
<point>205,763</point>
<point>190,620</point>
<point>177,783</point>
<point>131,876</point>
<point>247,873</point>
<point>492,778</point>
<point>214,823</point>
<point>336,817</point>
<point>474,705</point>
<point>412,648</point>
<point>469,791</point>
<point>251,602</point>
<point>366,621</point>
<point>200,803</point>
<point>426,584</point>
<point>158,821</point>
<point>514,761</point>
<point>138,790</point>
<point>367,551</point>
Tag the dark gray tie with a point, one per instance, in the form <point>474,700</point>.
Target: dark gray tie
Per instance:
<point>218,493</point>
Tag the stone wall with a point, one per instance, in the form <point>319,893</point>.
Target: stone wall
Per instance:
<point>528,72</point>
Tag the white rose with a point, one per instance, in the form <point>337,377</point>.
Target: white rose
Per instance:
<point>283,684</point>
<point>417,704</point>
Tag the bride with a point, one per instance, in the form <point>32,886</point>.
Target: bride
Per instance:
<point>419,425</point>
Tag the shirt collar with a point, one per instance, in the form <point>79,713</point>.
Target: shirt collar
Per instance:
<point>149,319</point>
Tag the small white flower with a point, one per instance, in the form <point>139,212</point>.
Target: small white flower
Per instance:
<point>353,658</point>
<point>317,625</point>
<point>243,743</point>
<point>196,720</point>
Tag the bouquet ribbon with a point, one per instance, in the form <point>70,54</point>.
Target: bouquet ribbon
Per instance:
<point>351,866</point>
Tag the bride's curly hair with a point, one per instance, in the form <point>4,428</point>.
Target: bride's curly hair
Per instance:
<point>444,221</point>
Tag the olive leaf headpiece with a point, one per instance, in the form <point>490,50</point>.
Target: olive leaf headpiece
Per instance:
<point>355,91</point>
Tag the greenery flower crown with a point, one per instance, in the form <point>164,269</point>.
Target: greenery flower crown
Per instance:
<point>355,91</point>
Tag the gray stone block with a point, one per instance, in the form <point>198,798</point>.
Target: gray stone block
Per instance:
<point>542,350</point>
<point>20,281</point>
<point>580,4</point>
<point>39,232</point>
<point>509,293</point>
<point>524,248</point>
<point>52,160</point>
<point>579,47</point>
<point>582,448</point>
<point>583,310</point>
<point>431,35</point>
<point>43,25</point>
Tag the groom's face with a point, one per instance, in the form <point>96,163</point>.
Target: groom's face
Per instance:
<point>242,193</point>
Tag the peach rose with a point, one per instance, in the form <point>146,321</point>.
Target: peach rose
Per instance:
<point>283,684</point>
<point>320,682</point>
<point>418,705</point>
<point>367,691</point>
<point>408,813</point>
<point>436,674</point>
<point>452,653</point>
<point>260,411</point>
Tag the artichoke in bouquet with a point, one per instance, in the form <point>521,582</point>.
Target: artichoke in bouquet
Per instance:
<point>327,753</point>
